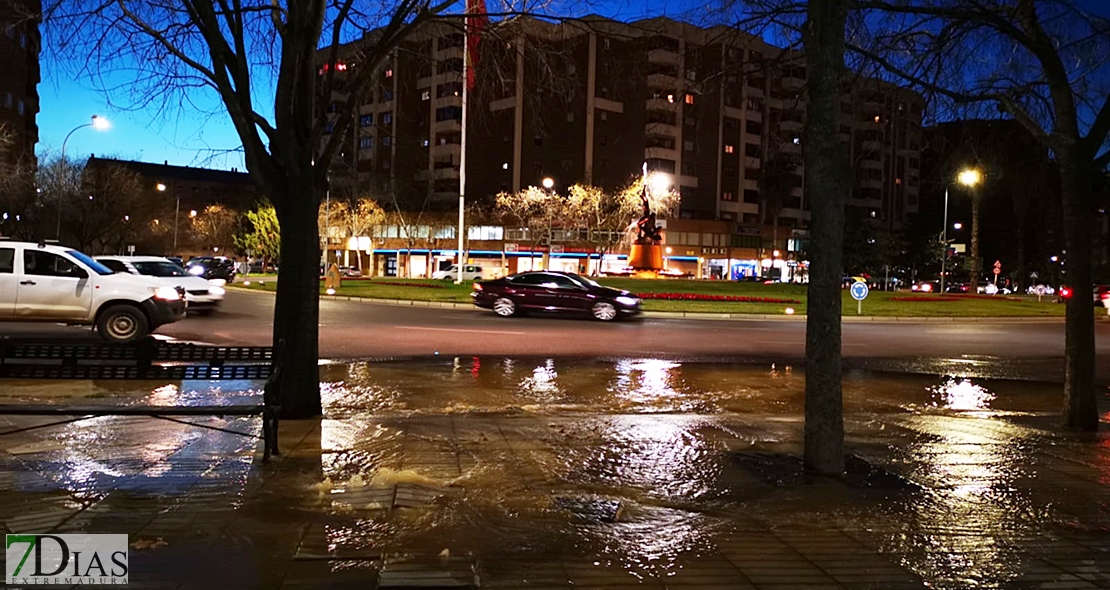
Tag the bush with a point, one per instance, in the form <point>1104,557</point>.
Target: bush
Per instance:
<point>704,297</point>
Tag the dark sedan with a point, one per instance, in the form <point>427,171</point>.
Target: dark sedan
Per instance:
<point>554,292</point>
<point>212,268</point>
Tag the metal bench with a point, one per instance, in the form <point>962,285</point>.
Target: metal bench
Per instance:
<point>140,361</point>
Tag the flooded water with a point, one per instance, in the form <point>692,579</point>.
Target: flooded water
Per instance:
<point>633,470</point>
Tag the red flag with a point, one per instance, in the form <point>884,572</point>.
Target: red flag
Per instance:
<point>474,27</point>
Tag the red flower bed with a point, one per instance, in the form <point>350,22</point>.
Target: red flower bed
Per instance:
<point>920,298</point>
<point>980,296</point>
<point>704,297</point>
<point>402,284</point>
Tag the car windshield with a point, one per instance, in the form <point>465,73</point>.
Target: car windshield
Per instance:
<point>95,266</point>
<point>159,269</point>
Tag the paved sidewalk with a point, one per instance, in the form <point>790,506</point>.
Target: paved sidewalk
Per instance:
<point>408,482</point>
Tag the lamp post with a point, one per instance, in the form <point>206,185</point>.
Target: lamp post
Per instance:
<point>971,178</point>
<point>968,177</point>
<point>176,213</point>
<point>548,184</point>
<point>100,124</point>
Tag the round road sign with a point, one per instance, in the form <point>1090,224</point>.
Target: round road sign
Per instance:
<point>859,291</point>
<point>1040,290</point>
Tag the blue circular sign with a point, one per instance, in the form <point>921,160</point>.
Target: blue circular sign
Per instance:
<point>859,291</point>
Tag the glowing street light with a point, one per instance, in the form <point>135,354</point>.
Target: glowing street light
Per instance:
<point>548,183</point>
<point>957,226</point>
<point>96,122</point>
<point>970,177</point>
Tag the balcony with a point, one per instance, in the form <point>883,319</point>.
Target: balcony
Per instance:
<point>873,145</point>
<point>437,174</point>
<point>448,125</point>
<point>449,101</point>
<point>790,126</point>
<point>661,153</point>
<point>449,52</point>
<point>446,150</point>
<point>661,104</point>
<point>872,164</point>
<point>663,129</point>
<point>663,57</point>
<point>871,183</point>
<point>683,180</point>
<point>791,83</point>
<point>663,82</point>
<point>611,105</point>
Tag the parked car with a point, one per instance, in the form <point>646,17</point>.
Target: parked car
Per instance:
<point>926,287</point>
<point>212,268</point>
<point>51,283</point>
<point>350,272</point>
<point>556,293</point>
<point>202,296</point>
<point>471,272</point>
<point>1102,295</point>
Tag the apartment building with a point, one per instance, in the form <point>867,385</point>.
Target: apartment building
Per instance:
<point>19,76</point>
<point>591,101</point>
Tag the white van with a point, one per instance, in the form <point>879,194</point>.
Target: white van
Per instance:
<point>471,272</point>
<point>51,283</point>
<point>202,296</point>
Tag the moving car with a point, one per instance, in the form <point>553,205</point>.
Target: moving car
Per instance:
<point>51,283</point>
<point>202,296</point>
<point>471,272</point>
<point>212,268</point>
<point>554,292</point>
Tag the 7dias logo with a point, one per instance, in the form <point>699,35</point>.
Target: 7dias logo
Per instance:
<point>66,559</point>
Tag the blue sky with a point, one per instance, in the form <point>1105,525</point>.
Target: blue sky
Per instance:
<point>186,137</point>
<point>191,138</point>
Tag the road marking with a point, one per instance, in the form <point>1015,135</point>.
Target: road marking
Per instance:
<point>461,330</point>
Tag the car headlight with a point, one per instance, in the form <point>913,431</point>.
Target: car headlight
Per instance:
<point>196,270</point>
<point>627,301</point>
<point>216,290</point>
<point>165,293</point>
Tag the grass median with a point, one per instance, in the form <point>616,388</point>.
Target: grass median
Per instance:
<point>878,303</point>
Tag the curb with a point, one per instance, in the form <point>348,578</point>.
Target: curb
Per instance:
<point>695,315</point>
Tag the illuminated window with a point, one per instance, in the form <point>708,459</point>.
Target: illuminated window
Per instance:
<point>689,99</point>
<point>389,73</point>
<point>670,98</point>
<point>729,148</point>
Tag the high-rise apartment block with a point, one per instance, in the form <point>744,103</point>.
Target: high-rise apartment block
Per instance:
<point>590,101</point>
<point>19,76</point>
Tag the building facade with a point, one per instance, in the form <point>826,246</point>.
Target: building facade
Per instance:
<point>19,77</point>
<point>592,101</point>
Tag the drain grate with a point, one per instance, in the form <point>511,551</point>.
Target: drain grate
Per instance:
<point>429,572</point>
<point>402,495</point>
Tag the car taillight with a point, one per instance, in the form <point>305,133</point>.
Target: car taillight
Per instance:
<point>1065,292</point>
<point>477,287</point>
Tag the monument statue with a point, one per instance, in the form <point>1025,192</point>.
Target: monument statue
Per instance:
<point>649,232</point>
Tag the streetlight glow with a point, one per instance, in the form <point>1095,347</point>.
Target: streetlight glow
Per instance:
<point>193,213</point>
<point>100,123</point>
<point>957,226</point>
<point>970,177</point>
<point>161,187</point>
<point>548,182</point>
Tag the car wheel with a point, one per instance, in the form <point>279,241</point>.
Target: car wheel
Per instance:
<point>604,311</point>
<point>504,307</point>
<point>122,324</point>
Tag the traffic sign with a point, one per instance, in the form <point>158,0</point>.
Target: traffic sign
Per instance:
<point>997,267</point>
<point>859,290</point>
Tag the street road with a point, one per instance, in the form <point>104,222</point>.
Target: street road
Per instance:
<point>360,330</point>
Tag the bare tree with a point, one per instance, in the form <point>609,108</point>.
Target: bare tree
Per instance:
<point>827,183</point>
<point>1041,62</point>
<point>17,190</point>
<point>263,60</point>
<point>214,227</point>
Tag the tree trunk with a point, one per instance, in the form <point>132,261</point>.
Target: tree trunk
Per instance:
<point>826,183</point>
<point>297,307</point>
<point>1080,397</point>
<point>976,264</point>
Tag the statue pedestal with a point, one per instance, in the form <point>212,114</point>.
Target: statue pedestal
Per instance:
<point>646,257</point>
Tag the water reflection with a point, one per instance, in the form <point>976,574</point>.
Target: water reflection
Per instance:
<point>962,395</point>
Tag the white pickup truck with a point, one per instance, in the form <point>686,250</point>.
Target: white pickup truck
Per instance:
<point>51,283</point>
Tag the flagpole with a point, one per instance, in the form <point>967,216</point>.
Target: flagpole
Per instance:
<point>462,153</point>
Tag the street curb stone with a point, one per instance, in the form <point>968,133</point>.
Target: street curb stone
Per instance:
<point>695,315</point>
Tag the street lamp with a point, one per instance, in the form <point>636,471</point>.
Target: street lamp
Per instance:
<point>176,212</point>
<point>548,184</point>
<point>98,123</point>
<point>968,177</point>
